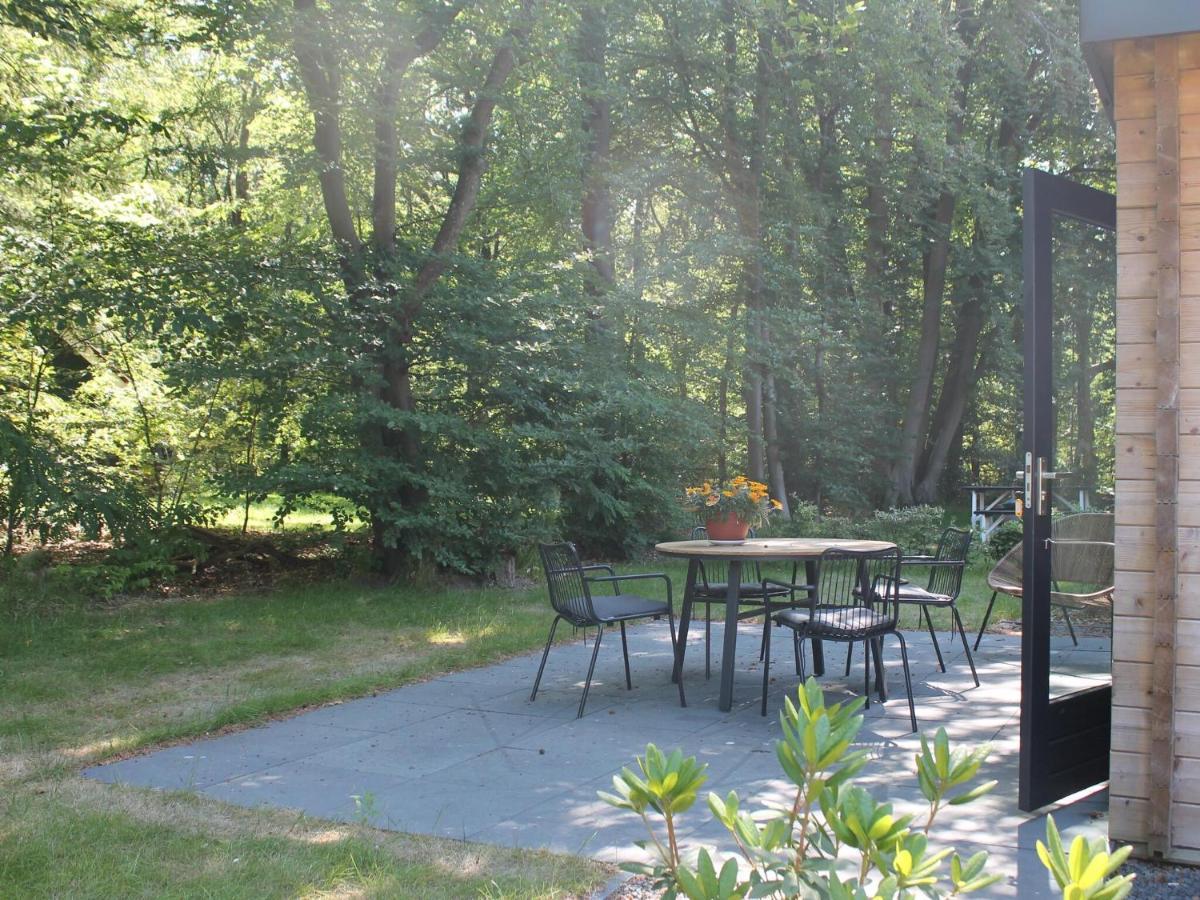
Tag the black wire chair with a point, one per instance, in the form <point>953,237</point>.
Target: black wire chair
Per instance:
<point>946,568</point>
<point>712,585</point>
<point>569,585</point>
<point>855,598</point>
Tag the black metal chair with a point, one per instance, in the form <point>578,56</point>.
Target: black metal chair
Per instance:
<point>712,585</point>
<point>855,598</point>
<point>569,585</point>
<point>946,568</point>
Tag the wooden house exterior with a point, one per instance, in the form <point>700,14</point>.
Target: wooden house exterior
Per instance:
<point>1145,60</point>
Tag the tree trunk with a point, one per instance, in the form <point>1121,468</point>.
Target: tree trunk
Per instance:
<point>920,394</point>
<point>956,390</point>
<point>596,214</point>
<point>774,459</point>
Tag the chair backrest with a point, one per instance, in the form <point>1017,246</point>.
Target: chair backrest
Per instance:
<point>1083,562</point>
<point>951,548</point>
<point>847,580</point>
<point>569,594</point>
<point>1089,526</point>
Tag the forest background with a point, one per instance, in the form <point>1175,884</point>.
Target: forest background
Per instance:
<point>472,274</point>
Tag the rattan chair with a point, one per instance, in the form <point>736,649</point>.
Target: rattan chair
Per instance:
<point>1083,557</point>
<point>712,585</point>
<point>570,586</point>
<point>855,598</point>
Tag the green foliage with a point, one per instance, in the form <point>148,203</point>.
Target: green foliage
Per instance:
<point>806,849</point>
<point>1088,869</point>
<point>916,529</point>
<point>1004,539</point>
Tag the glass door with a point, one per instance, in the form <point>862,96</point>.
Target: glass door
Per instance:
<point>1066,645</point>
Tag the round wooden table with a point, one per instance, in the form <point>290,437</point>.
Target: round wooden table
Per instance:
<point>805,550</point>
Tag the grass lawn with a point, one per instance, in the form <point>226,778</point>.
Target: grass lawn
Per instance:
<point>81,683</point>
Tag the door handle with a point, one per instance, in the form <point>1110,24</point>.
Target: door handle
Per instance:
<point>1043,476</point>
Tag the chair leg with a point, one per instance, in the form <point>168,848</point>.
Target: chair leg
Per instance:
<point>762,648</point>
<point>587,685</point>
<point>880,679</point>
<point>625,653</point>
<point>932,634</point>
<point>707,640</point>
<point>1070,627</point>
<point>963,634</point>
<point>798,651</point>
<point>849,657</point>
<point>867,671</point>
<point>766,661</point>
<point>545,653</point>
<point>986,616</point>
<point>912,709</point>
<point>675,650</point>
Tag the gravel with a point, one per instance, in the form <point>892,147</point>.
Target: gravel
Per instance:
<point>1164,881</point>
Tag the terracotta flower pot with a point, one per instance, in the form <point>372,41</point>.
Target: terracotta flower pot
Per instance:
<point>727,528</point>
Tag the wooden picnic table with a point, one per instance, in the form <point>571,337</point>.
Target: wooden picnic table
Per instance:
<point>805,550</point>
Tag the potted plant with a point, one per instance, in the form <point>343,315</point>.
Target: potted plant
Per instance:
<point>730,511</point>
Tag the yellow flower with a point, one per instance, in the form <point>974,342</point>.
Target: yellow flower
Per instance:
<point>707,489</point>
<point>775,504</point>
<point>741,479</point>
<point>727,493</point>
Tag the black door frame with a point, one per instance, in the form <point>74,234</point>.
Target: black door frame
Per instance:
<point>1064,741</point>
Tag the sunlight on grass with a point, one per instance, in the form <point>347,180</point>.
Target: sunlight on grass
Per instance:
<point>444,637</point>
<point>105,747</point>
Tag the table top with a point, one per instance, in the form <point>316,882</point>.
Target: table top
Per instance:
<point>769,548</point>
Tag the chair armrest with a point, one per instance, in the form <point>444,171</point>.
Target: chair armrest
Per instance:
<point>918,560</point>
<point>598,566</point>
<point>640,576</point>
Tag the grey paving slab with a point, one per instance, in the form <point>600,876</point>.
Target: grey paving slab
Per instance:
<point>469,756</point>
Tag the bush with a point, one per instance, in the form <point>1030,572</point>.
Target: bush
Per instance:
<point>915,529</point>
<point>1004,539</point>
<point>801,851</point>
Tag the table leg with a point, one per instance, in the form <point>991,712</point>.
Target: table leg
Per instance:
<point>729,650</point>
<point>685,618</point>
<point>818,649</point>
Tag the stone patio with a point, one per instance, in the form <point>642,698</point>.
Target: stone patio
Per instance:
<point>468,756</point>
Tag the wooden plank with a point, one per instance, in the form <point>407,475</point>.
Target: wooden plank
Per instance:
<point>1137,365</point>
<point>1189,363</point>
<point>1189,273</point>
<point>1135,410</point>
<point>1129,774</point>
<point>1133,96</point>
<point>1189,493</point>
<point>1189,52</point>
<point>1189,411</point>
<point>1135,229</point>
<point>1135,140</point>
<point>1189,180</point>
<point>1189,598</point>
<point>1130,729</point>
<point>1188,542</point>
<point>1134,57</point>
<point>1189,322</point>
<point>1127,818</point>
<point>1189,226</point>
<point>1135,184</point>
<point>1136,319</point>
<point>1189,136</point>
<point>1134,594</point>
<point>1135,502</point>
<point>1189,91</point>
<point>1135,456</point>
<point>1189,463</point>
<point>1133,639</point>
<point>1131,687</point>
<point>1137,274</point>
<point>1185,826</point>
<point>1167,97</point>
<point>1135,548</point>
